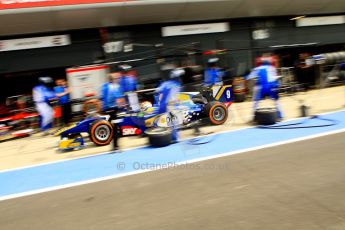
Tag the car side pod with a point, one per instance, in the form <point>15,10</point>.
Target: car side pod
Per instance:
<point>159,136</point>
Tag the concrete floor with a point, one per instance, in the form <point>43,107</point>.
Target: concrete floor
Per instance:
<point>36,149</point>
<point>294,186</point>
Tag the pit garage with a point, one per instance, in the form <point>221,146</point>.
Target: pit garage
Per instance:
<point>225,172</point>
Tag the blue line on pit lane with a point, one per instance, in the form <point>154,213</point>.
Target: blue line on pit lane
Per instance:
<point>78,170</point>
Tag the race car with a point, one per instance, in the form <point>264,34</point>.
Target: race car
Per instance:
<point>17,120</point>
<point>192,106</point>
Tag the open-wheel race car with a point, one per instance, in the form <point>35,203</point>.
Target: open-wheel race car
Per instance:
<point>18,118</point>
<point>192,106</point>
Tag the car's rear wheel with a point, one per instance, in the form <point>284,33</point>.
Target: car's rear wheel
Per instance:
<point>92,106</point>
<point>217,112</point>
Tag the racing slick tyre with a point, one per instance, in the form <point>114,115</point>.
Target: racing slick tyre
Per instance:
<point>92,106</point>
<point>217,112</point>
<point>101,132</point>
<point>159,136</point>
<point>266,116</point>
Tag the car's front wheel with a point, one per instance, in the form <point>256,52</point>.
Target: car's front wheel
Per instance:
<point>159,136</point>
<point>101,132</point>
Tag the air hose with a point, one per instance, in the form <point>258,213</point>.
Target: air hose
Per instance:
<point>297,125</point>
<point>300,125</point>
<point>202,140</point>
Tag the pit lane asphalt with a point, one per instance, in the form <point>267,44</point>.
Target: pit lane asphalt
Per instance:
<point>293,186</point>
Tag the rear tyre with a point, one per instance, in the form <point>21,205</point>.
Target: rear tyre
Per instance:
<point>92,106</point>
<point>217,112</point>
<point>266,116</point>
<point>101,132</point>
<point>159,137</point>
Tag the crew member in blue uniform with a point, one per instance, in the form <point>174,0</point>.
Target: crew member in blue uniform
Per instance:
<point>127,83</point>
<point>113,100</point>
<point>112,95</point>
<point>266,84</point>
<point>62,92</point>
<point>213,75</point>
<point>43,94</point>
<point>167,94</point>
<point>128,86</point>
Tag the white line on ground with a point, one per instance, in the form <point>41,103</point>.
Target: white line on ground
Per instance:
<point>12,196</point>
<point>108,152</point>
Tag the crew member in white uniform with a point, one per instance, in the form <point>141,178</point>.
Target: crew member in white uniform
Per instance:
<point>43,94</point>
<point>267,84</point>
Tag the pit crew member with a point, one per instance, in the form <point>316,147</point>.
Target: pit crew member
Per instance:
<point>266,84</point>
<point>128,86</point>
<point>43,95</point>
<point>112,95</point>
<point>168,95</point>
<point>62,92</point>
<point>113,99</point>
<point>213,75</point>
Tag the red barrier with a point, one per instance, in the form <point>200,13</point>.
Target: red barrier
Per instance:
<point>18,4</point>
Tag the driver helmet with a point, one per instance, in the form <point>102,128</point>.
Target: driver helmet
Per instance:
<point>146,105</point>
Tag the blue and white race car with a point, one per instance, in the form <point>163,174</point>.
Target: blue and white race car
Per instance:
<point>192,106</point>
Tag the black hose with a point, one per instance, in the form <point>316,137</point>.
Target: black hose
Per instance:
<point>332,122</point>
<point>201,140</point>
<point>197,140</point>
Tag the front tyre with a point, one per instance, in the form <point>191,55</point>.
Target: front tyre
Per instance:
<point>266,116</point>
<point>101,132</point>
<point>159,136</point>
